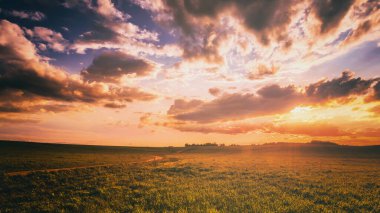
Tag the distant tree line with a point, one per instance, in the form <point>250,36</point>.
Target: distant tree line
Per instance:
<point>202,144</point>
<point>207,144</point>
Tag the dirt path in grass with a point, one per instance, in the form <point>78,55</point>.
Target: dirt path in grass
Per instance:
<point>155,158</point>
<point>23,173</point>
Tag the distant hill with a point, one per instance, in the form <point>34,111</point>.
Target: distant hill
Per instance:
<point>326,143</point>
<point>320,148</point>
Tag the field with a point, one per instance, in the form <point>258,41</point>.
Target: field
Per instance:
<point>314,177</point>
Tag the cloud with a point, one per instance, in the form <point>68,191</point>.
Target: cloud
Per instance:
<point>376,89</point>
<point>54,40</point>
<point>375,110</point>
<point>110,28</point>
<point>357,33</point>
<point>28,106</point>
<point>114,105</point>
<point>268,100</point>
<point>214,91</point>
<point>272,99</point>
<point>263,71</point>
<point>27,82</point>
<point>34,16</point>
<point>330,13</point>
<point>341,87</point>
<point>314,129</point>
<point>264,18</point>
<point>14,46</point>
<point>296,34</point>
<point>111,66</point>
<point>17,120</point>
<point>183,106</point>
<point>220,129</point>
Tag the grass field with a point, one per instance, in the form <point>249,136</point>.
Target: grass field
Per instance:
<point>269,178</point>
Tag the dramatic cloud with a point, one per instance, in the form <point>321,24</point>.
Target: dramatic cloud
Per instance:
<point>376,88</point>
<point>264,18</point>
<point>341,87</point>
<point>34,16</point>
<point>111,29</point>
<point>111,66</point>
<point>270,100</point>
<point>331,12</point>
<point>53,40</point>
<point>25,80</point>
<point>294,34</point>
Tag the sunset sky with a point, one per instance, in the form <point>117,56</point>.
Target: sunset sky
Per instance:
<point>170,72</point>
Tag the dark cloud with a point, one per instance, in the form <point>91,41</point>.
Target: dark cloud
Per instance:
<point>31,107</point>
<point>376,88</point>
<point>111,66</point>
<point>200,35</point>
<point>261,17</point>
<point>341,87</point>
<point>8,107</point>
<point>331,12</point>
<point>114,105</point>
<point>100,30</point>
<point>34,15</point>
<point>17,120</point>
<point>275,91</point>
<point>367,8</point>
<point>110,28</point>
<point>25,80</point>
<point>268,19</point>
<point>98,33</point>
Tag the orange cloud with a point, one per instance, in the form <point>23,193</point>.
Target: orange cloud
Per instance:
<point>52,39</point>
<point>272,99</point>
<point>262,71</point>
<point>313,129</point>
<point>214,91</point>
<point>375,110</point>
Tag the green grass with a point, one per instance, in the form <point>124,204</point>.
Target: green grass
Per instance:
<point>195,179</point>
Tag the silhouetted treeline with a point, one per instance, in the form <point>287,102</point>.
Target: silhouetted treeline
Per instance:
<point>203,144</point>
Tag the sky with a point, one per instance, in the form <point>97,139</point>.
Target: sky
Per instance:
<point>170,72</point>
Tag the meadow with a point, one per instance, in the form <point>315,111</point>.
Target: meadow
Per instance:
<point>316,177</point>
